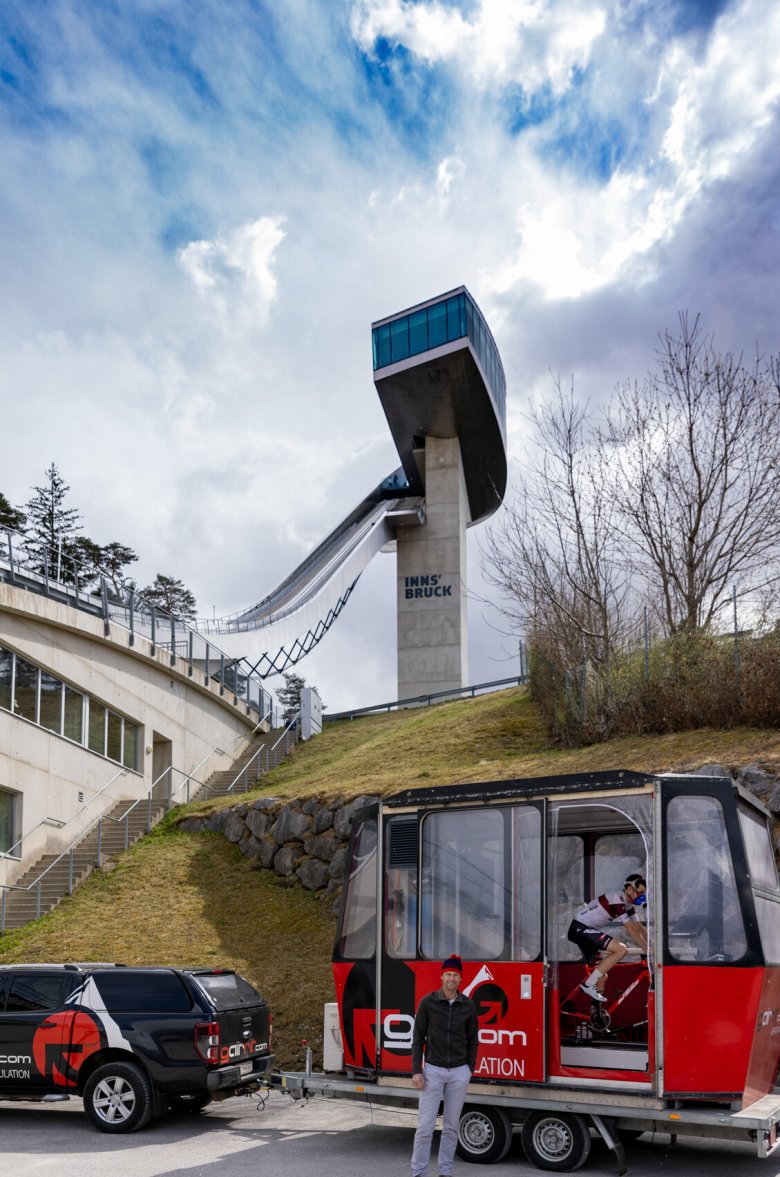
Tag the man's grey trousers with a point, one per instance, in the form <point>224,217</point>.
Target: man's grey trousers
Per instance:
<point>450,1085</point>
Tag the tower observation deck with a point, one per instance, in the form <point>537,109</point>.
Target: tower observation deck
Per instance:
<point>441,383</point>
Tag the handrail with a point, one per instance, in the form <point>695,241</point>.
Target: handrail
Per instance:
<point>418,700</point>
<point>57,821</point>
<point>123,772</point>
<point>268,753</point>
<point>146,798</point>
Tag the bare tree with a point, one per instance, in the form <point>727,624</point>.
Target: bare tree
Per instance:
<point>555,554</point>
<point>693,457</point>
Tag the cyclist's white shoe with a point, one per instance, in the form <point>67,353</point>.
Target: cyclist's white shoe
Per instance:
<point>592,992</point>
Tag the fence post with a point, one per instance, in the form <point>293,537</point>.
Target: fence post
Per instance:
<point>100,843</point>
<point>104,604</point>
<point>131,610</point>
<point>736,639</point>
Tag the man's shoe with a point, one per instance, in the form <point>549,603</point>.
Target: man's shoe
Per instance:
<point>592,993</point>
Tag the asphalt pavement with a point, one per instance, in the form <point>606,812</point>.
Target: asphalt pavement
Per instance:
<point>316,1138</point>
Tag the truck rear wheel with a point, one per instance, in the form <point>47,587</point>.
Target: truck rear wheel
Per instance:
<point>484,1134</point>
<point>118,1097</point>
<point>556,1141</point>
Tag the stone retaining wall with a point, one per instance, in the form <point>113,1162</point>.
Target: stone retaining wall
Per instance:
<point>305,841</point>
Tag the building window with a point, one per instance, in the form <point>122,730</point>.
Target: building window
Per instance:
<point>25,690</point>
<point>97,727</point>
<point>73,725</point>
<point>51,702</point>
<point>40,697</point>
<point>6,678</point>
<point>7,838</point>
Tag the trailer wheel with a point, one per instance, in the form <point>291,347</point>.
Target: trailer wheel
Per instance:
<point>558,1142</point>
<point>484,1134</point>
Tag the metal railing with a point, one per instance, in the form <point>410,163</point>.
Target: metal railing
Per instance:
<point>426,700</point>
<point>27,563</point>
<point>154,805</point>
<point>270,755</point>
<point>59,822</point>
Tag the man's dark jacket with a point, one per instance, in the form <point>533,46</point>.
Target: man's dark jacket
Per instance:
<point>448,1033</point>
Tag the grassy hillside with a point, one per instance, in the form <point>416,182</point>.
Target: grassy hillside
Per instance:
<point>182,898</point>
<point>492,737</point>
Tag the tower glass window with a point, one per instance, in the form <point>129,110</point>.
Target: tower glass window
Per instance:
<point>451,318</point>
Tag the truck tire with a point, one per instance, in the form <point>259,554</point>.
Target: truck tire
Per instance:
<point>194,1101</point>
<point>118,1097</point>
<point>484,1134</point>
<point>556,1141</point>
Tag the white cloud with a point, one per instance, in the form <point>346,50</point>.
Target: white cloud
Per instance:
<point>577,236</point>
<point>236,272</point>
<point>532,42</point>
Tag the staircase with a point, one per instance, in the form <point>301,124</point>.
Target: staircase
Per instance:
<point>53,876</point>
<point>266,751</point>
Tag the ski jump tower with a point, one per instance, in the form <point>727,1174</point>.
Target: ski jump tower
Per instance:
<point>441,383</point>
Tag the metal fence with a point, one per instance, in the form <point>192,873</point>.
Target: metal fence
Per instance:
<point>29,564</point>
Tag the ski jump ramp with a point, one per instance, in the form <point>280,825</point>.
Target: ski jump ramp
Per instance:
<point>441,384</point>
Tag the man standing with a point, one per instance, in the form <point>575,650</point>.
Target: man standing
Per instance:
<point>587,931</point>
<point>445,1030</point>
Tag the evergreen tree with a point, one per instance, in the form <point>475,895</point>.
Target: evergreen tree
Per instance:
<point>169,596</point>
<point>114,558</point>
<point>50,524</point>
<point>81,558</point>
<point>289,695</point>
<point>11,517</point>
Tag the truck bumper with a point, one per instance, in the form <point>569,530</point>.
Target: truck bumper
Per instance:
<point>234,1076</point>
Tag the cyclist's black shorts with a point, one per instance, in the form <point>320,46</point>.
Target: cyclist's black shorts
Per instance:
<point>590,941</point>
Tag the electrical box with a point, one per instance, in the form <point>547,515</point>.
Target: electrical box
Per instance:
<point>332,1052</point>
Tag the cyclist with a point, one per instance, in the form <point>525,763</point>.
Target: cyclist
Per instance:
<point>586,931</point>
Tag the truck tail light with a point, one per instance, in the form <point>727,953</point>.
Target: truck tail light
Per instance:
<point>206,1037</point>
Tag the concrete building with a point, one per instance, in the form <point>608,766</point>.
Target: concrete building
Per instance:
<point>93,712</point>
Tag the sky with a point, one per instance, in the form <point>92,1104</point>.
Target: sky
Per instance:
<point>204,206</point>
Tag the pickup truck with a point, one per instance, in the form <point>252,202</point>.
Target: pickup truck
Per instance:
<point>132,1042</point>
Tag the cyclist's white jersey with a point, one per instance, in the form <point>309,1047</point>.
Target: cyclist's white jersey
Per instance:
<point>607,909</point>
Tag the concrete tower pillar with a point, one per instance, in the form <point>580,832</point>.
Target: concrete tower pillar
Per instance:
<point>431,571</point>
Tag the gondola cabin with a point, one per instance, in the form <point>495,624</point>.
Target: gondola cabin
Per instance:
<point>495,871</point>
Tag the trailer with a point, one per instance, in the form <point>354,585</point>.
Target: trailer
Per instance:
<point>688,1042</point>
